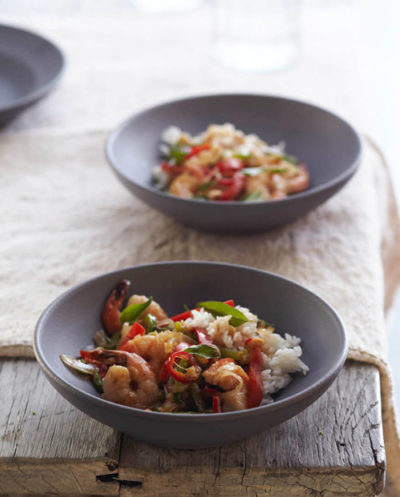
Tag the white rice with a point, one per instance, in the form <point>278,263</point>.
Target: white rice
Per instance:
<point>281,353</point>
<point>171,135</point>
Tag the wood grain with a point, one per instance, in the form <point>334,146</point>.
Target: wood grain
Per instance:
<point>335,447</point>
<point>46,445</point>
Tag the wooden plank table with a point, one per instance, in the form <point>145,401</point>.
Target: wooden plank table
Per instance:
<point>47,447</point>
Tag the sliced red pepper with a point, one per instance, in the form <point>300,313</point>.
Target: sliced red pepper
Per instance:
<point>239,180</point>
<point>88,356</point>
<point>169,168</point>
<point>103,368</point>
<point>209,391</point>
<point>183,367</point>
<point>163,375</point>
<point>230,165</point>
<point>202,336</point>
<point>216,403</point>
<point>181,346</point>
<point>182,316</point>
<point>196,150</point>
<point>230,302</point>
<point>136,329</point>
<point>255,389</point>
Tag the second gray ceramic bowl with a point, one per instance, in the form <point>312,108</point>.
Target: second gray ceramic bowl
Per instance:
<point>30,66</point>
<point>328,145</point>
<point>68,324</point>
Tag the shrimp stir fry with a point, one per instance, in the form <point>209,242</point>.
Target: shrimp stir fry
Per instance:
<point>223,163</point>
<point>216,357</point>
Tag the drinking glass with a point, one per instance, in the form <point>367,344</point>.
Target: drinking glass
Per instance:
<point>165,5</point>
<point>256,35</point>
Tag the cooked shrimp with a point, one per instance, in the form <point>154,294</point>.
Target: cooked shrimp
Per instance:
<point>259,184</point>
<point>155,348</point>
<point>184,185</point>
<point>130,381</point>
<point>233,379</point>
<point>301,181</point>
<point>154,308</point>
<point>110,316</point>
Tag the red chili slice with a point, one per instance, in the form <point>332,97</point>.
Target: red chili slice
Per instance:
<point>169,168</point>
<point>89,356</point>
<point>230,302</point>
<point>163,375</point>
<point>230,165</point>
<point>183,367</point>
<point>202,336</point>
<point>239,180</point>
<point>136,329</point>
<point>182,316</point>
<point>216,403</point>
<point>196,150</point>
<point>209,392</point>
<point>255,389</point>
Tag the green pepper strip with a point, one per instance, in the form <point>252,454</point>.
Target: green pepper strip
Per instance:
<point>131,313</point>
<point>98,382</point>
<point>197,398</point>
<point>241,356</point>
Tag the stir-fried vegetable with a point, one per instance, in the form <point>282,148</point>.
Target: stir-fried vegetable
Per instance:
<point>171,365</point>
<point>98,382</point>
<point>204,351</point>
<point>150,323</point>
<point>223,309</point>
<point>255,389</point>
<point>241,356</point>
<point>136,330</point>
<point>102,340</point>
<point>134,311</point>
<point>183,367</point>
<point>78,364</point>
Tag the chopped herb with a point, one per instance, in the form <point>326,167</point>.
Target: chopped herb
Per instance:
<point>251,197</point>
<point>178,153</point>
<point>252,171</point>
<point>205,351</point>
<point>277,169</point>
<point>205,186</point>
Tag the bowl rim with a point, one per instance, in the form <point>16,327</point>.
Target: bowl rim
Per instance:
<point>41,91</point>
<point>307,392</point>
<point>345,175</point>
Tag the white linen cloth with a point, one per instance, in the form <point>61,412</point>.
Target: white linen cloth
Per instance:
<point>65,218</point>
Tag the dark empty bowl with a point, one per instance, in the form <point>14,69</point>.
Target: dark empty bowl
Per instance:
<point>328,145</point>
<point>68,324</point>
<point>30,66</point>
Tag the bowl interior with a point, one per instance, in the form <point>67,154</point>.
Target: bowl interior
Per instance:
<point>327,144</point>
<point>68,324</point>
<point>28,63</point>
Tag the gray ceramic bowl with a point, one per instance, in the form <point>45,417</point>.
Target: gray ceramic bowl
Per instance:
<point>30,66</point>
<point>68,324</point>
<point>327,144</point>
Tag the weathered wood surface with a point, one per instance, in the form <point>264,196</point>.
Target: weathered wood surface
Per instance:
<point>47,447</point>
